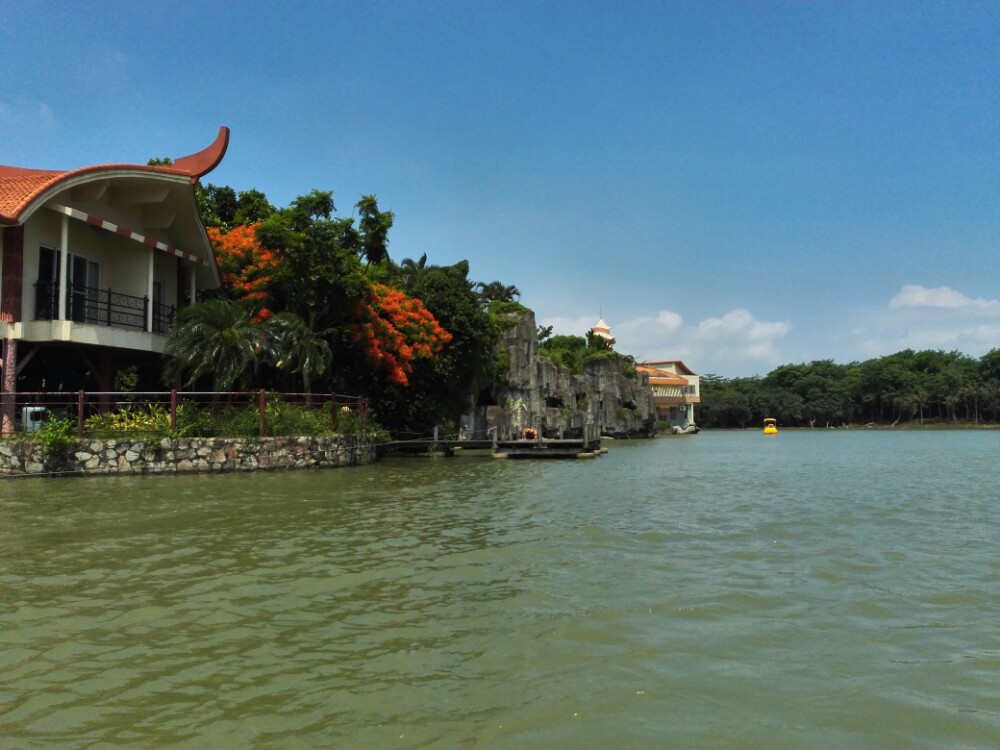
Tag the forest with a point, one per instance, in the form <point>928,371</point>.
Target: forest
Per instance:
<point>908,387</point>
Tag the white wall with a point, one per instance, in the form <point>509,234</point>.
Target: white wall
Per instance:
<point>123,262</point>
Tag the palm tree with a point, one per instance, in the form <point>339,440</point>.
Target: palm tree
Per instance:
<point>495,291</point>
<point>413,272</point>
<point>374,226</point>
<point>295,347</point>
<point>919,396</point>
<point>217,338</point>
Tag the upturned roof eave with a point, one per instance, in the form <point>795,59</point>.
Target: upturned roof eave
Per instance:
<point>46,182</point>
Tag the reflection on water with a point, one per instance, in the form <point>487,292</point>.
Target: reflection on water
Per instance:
<point>821,589</point>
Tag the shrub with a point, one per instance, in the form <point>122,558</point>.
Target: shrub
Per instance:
<point>290,419</point>
<point>58,435</point>
<point>153,419</point>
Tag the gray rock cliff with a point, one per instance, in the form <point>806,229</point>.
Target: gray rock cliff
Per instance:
<point>538,393</point>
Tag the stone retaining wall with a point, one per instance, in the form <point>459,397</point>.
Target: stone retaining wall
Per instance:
<point>186,455</point>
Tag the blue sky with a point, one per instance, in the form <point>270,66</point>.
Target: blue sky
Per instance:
<point>739,185</point>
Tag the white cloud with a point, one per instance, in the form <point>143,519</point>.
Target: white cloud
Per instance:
<point>669,320</point>
<point>914,295</point>
<point>933,318</point>
<point>666,321</point>
<point>562,325</point>
<point>740,323</point>
<point>735,342</point>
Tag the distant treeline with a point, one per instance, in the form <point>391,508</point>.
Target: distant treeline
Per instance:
<point>909,386</point>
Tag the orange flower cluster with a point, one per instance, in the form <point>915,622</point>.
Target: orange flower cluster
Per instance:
<point>396,329</point>
<point>244,265</point>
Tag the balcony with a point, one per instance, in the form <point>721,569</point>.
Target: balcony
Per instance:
<point>676,399</point>
<point>103,307</point>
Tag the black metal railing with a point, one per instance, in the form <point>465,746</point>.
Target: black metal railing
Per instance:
<point>104,307</point>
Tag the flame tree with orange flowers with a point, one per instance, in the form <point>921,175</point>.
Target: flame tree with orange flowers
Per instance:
<point>326,274</point>
<point>319,282</point>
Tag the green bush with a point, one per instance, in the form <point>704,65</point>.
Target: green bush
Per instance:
<point>58,435</point>
<point>290,419</point>
<point>596,355</point>
<point>194,421</point>
<point>507,307</point>
<point>226,420</point>
<point>348,422</point>
<point>151,420</point>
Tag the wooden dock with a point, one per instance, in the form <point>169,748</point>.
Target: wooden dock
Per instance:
<point>541,447</point>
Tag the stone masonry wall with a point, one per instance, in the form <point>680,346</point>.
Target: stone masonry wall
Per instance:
<point>186,455</point>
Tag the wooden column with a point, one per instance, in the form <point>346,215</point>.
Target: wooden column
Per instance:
<point>12,281</point>
<point>8,390</point>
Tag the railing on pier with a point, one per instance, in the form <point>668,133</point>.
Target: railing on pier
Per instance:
<point>532,440</point>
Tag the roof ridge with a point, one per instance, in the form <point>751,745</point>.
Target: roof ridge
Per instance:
<point>21,186</point>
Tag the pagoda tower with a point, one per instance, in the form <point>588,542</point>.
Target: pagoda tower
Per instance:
<point>603,330</point>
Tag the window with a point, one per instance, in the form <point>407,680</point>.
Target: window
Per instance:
<point>83,287</point>
<point>159,319</point>
<point>47,288</point>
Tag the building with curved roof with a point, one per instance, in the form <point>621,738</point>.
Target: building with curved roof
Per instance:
<point>95,262</point>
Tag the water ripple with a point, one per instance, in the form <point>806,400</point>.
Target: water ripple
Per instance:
<point>826,589</point>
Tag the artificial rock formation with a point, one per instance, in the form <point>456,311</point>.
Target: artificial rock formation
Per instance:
<point>539,394</point>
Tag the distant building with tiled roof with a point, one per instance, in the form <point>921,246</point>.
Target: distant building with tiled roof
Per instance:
<point>94,262</point>
<point>676,389</point>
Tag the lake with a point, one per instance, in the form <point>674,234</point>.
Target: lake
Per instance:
<point>817,589</point>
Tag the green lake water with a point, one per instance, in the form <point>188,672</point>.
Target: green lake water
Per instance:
<point>818,589</point>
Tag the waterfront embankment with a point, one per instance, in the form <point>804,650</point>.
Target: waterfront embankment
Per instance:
<point>186,455</point>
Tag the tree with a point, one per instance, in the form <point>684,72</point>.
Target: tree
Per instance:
<point>725,402</point>
<point>216,339</point>
<point>441,388</point>
<point>217,205</point>
<point>411,273</point>
<point>374,228</point>
<point>220,206</point>
<point>252,206</point>
<point>395,329</point>
<point>496,291</point>
<point>247,268</point>
<point>320,277</point>
<point>296,348</point>
<point>598,343</point>
<point>989,365</point>
<point>565,351</point>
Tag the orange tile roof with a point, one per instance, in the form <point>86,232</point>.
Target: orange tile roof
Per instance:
<point>661,377</point>
<point>20,187</point>
<point>676,362</point>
